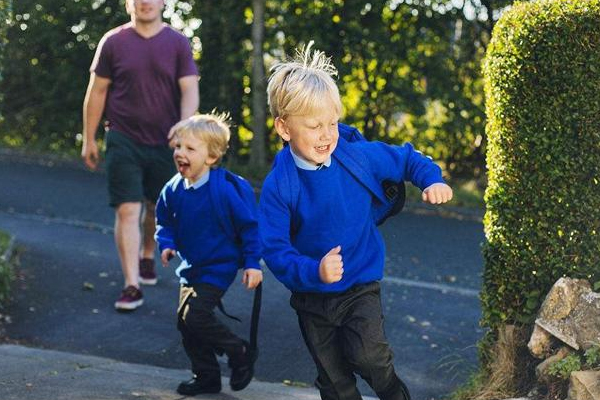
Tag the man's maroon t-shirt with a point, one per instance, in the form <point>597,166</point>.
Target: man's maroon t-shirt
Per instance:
<point>144,98</point>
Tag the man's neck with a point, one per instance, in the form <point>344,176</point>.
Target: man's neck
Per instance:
<point>147,29</point>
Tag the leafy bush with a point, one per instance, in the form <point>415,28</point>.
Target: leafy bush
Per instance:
<point>563,368</point>
<point>575,362</point>
<point>542,79</point>
<point>592,356</point>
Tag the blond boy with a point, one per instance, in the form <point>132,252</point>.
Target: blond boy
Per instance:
<point>207,217</point>
<point>318,230</point>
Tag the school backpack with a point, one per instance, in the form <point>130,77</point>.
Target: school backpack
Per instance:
<point>389,195</point>
<point>219,178</point>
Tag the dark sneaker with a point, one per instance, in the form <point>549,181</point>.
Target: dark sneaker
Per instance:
<point>131,298</point>
<point>147,272</point>
<point>242,367</point>
<point>200,385</point>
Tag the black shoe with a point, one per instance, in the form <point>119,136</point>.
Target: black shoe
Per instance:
<point>198,385</point>
<point>242,368</point>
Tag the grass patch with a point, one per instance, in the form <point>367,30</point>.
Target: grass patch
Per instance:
<point>471,388</point>
<point>507,371</point>
<point>4,241</point>
<point>7,273</point>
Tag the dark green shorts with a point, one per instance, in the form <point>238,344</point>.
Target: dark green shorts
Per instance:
<point>136,171</point>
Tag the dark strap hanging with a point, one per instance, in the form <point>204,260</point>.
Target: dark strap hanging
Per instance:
<point>222,309</point>
<point>255,317</point>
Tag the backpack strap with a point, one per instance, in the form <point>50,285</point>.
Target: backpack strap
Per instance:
<point>255,318</point>
<point>350,133</point>
<point>220,178</point>
<point>357,165</point>
<point>395,192</point>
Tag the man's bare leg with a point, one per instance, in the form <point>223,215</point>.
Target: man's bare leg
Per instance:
<point>128,238</point>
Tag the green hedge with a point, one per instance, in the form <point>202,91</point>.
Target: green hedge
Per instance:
<point>542,83</point>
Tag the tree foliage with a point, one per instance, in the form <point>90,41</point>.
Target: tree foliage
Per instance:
<point>47,59</point>
<point>409,70</point>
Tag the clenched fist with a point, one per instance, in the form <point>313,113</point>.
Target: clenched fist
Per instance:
<point>332,266</point>
<point>437,193</point>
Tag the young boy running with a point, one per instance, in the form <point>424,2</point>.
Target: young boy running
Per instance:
<point>207,216</point>
<point>318,227</point>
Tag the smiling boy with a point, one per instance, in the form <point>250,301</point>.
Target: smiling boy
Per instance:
<point>207,216</point>
<point>321,240</point>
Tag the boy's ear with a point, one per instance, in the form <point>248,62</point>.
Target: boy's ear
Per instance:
<point>281,129</point>
<point>211,160</point>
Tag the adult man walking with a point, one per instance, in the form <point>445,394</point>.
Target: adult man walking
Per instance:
<point>144,80</point>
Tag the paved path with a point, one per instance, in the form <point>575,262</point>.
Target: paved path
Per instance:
<point>70,277</point>
<point>34,374</point>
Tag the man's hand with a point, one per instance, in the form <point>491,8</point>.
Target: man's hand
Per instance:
<point>166,255</point>
<point>331,266</point>
<point>171,137</point>
<point>252,277</point>
<point>437,193</point>
<point>89,154</point>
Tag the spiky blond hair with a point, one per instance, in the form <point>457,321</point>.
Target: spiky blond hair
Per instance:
<point>301,85</point>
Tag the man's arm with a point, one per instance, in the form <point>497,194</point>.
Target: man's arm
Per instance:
<point>190,100</point>
<point>190,96</point>
<point>93,108</point>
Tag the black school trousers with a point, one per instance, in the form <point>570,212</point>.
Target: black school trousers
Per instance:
<point>345,336</point>
<point>203,335</point>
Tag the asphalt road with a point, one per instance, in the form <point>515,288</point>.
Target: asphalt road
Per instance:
<point>70,277</point>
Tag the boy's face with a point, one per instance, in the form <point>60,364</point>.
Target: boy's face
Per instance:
<point>191,157</point>
<point>312,137</point>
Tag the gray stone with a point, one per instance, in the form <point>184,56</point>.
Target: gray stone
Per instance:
<point>540,342</point>
<point>584,385</point>
<point>562,298</point>
<point>541,371</point>
<point>571,313</point>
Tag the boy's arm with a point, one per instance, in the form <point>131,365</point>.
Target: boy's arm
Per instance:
<point>402,163</point>
<point>164,234</point>
<point>296,271</point>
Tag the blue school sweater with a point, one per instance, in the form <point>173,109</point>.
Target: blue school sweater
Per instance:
<point>334,207</point>
<point>188,222</point>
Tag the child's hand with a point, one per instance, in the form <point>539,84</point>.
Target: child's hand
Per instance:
<point>252,277</point>
<point>166,255</point>
<point>331,267</point>
<point>437,193</point>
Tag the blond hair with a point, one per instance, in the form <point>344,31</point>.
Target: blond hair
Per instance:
<point>302,85</point>
<point>212,129</point>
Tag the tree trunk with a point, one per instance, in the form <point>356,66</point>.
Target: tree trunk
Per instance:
<point>259,101</point>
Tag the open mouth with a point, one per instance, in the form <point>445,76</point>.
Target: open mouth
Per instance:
<point>322,149</point>
<point>182,166</point>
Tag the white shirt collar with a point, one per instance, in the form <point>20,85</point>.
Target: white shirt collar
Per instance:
<point>203,179</point>
<point>303,164</point>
